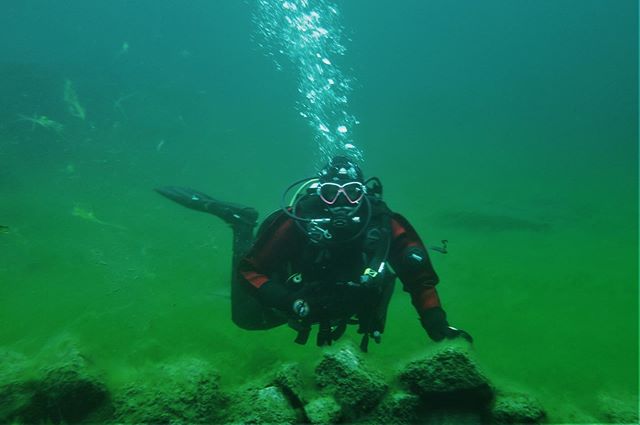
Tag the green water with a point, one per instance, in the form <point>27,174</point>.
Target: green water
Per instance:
<point>508,128</point>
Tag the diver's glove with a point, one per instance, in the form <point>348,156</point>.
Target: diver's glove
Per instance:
<point>434,321</point>
<point>293,304</point>
<point>272,294</point>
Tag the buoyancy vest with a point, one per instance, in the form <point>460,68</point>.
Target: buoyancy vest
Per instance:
<point>346,283</point>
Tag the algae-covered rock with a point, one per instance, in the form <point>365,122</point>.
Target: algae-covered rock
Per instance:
<point>356,388</point>
<point>187,391</point>
<point>262,405</point>
<point>63,391</point>
<point>16,391</point>
<point>397,408</point>
<point>323,411</point>
<point>517,409</point>
<point>452,416</point>
<point>16,400</point>
<point>618,409</point>
<point>449,377</point>
<point>273,398</point>
<point>68,393</point>
<point>289,379</point>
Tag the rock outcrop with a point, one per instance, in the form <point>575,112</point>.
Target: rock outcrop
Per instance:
<point>444,388</point>
<point>448,378</point>
<point>344,376</point>
<point>186,391</point>
<point>517,409</point>
<point>65,391</point>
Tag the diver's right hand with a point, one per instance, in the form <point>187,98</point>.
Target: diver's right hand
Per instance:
<point>187,197</point>
<point>298,305</point>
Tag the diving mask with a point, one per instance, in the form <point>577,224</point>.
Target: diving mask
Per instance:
<point>329,192</point>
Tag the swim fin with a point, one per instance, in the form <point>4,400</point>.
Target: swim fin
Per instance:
<point>231,213</point>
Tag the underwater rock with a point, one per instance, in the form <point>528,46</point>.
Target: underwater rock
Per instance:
<point>451,416</point>
<point>64,391</point>
<point>616,410</point>
<point>397,408</point>
<point>187,391</point>
<point>262,405</point>
<point>323,411</point>
<point>289,379</point>
<point>516,409</point>
<point>352,385</point>
<point>272,398</point>
<point>68,393</point>
<point>15,391</point>
<point>15,401</point>
<point>449,377</point>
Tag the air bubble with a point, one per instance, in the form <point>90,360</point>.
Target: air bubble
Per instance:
<point>310,35</point>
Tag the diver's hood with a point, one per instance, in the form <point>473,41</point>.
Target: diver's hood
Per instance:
<point>340,170</point>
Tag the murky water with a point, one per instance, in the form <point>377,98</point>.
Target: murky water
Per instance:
<point>509,129</point>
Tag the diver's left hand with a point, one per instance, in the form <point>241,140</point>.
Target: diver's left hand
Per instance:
<point>452,333</point>
<point>434,321</point>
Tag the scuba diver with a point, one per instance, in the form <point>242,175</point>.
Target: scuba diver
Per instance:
<point>328,258</point>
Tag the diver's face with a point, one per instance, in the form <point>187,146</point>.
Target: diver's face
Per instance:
<point>342,216</point>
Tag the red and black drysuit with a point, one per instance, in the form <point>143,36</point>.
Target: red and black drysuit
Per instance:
<point>263,283</point>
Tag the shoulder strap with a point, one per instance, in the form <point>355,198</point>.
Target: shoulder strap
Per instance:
<point>378,238</point>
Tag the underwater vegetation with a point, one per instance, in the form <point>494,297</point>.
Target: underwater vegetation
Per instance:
<point>70,97</point>
<point>43,121</point>
<point>86,213</point>
<point>38,96</point>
